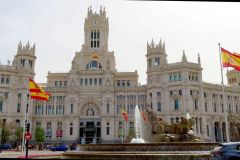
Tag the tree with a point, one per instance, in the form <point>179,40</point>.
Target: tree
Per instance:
<point>5,134</point>
<point>39,134</point>
<point>19,134</point>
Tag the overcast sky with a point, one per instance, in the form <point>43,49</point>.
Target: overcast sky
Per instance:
<point>57,28</point>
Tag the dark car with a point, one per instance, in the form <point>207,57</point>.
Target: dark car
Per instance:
<point>73,146</point>
<point>226,151</point>
<point>60,148</point>
<point>6,146</point>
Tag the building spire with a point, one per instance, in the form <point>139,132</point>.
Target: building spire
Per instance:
<point>19,45</point>
<point>184,58</point>
<point>164,47</point>
<point>199,60</point>
<point>160,43</point>
<point>152,43</point>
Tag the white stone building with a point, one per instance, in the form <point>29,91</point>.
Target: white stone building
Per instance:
<point>85,103</point>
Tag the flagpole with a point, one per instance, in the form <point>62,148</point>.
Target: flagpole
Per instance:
<point>25,122</point>
<point>223,93</point>
<point>122,126</point>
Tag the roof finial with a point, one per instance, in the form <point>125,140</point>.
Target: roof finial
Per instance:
<point>199,60</point>
<point>152,43</point>
<point>28,45</point>
<point>184,58</point>
<point>160,43</point>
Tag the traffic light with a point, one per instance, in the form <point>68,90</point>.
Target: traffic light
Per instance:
<point>28,127</point>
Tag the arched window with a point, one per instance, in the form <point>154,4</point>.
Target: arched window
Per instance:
<point>71,129</point>
<point>175,77</point>
<point>177,120</point>
<point>93,65</point>
<point>2,80</point>
<point>1,105</point>
<point>7,80</point>
<point>17,122</point>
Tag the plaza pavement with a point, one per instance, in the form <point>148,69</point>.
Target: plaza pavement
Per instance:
<point>31,153</point>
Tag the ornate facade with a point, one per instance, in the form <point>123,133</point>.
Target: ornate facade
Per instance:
<point>85,103</point>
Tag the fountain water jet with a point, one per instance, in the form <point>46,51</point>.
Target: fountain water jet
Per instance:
<point>138,127</point>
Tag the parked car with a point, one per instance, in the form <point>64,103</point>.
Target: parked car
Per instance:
<point>60,148</point>
<point>6,146</point>
<point>226,151</point>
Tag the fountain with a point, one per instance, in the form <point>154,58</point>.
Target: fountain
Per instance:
<point>180,145</point>
<point>138,127</point>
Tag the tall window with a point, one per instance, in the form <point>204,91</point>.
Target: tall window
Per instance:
<point>95,81</point>
<point>157,60</point>
<point>196,104</point>
<point>159,106</point>
<point>71,108</point>
<point>7,80</point>
<point>17,122</point>
<point>71,129</point>
<point>131,125</point>
<point>108,108</point>
<point>179,77</point>
<point>118,83</point>
<point>90,81</point>
<point>207,130</point>
<point>107,129</point>
<point>176,104</point>
<point>128,83</point>
<point>1,105</point>
<point>206,109</point>
<point>49,130</point>
<point>19,107</point>
<point>81,81</point>
<point>86,81</point>
<point>2,80</point>
<point>49,109</point>
<point>123,82</point>
<point>215,107</point>
<point>100,81</point>
<point>95,39</point>
<point>158,94</point>
<point>131,109</point>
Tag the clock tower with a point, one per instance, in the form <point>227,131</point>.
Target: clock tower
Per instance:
<point>94,54</point>
<point>96,30</point>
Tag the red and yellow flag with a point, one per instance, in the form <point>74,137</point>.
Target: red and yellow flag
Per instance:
<point>144,116</point>
<point>37,92</point>
<point>125,115</point>
<point>230,59</point>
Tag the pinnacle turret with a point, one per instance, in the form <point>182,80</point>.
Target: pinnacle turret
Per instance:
<point>152,47</point>
<point>184,58</point>
<point>27,49</point>
<point>199,60</point>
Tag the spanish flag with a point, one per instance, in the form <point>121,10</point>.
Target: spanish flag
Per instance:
<point>125,115</point>
<point>37,92</point>
<point>144,116</point>
<point>230,59</point>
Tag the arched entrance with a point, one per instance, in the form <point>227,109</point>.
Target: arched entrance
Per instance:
<point>90,124</point>
<point>217,131</point>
